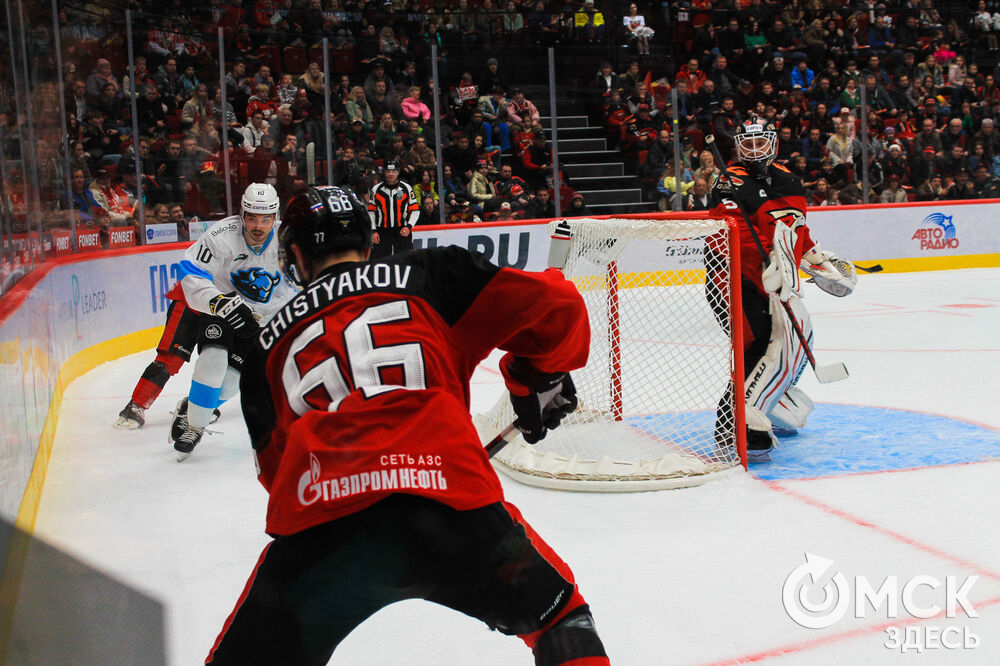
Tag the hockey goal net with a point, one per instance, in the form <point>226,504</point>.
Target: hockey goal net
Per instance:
<point>657,406</point>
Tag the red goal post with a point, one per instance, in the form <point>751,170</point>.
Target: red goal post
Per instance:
<point>661,397</point>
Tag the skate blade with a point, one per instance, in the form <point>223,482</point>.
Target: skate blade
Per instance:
<point>759,456</point>
<point>181,457</point>
<point>126,424</point>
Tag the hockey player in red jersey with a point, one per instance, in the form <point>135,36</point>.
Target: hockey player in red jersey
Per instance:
<point>358,411</point>
<point>179,338</point>
<point>774,199</point>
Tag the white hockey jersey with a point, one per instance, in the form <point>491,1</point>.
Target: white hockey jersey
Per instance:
<point>221,262</point>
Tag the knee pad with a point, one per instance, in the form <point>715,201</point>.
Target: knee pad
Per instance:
<point>572,639</point>
<point>211,365</point>
<point>782,361</point>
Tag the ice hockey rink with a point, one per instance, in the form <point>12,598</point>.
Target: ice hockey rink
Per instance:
<point>896,475</point>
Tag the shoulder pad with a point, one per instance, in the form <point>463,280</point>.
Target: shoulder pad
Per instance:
<point>786,182</point>
<point>227,225</point>
<point>738,170</point>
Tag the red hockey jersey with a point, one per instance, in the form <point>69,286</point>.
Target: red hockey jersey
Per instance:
<point>778,197</point>
<point>361,388</point>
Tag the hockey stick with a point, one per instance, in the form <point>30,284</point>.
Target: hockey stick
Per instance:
<point>824,373</point>
<point>505,437</point>
<point>870,269</point>
<point>558,255</point>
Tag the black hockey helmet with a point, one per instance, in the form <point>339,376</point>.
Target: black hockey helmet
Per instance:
<point>756,144</point>
<point>322,220</point>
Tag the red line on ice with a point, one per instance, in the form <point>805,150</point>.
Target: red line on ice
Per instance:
<point>834,638</point>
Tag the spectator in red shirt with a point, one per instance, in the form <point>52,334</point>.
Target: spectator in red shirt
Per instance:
<point>261,101</point>
<point>537,160</point>
<point>693,74</point>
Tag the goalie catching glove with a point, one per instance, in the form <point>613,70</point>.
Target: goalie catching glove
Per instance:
<point>829,272</point>
<point>540,399</point>
<point>237,314</point>
<point>781,275</point>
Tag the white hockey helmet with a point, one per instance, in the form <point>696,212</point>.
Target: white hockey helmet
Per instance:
<point>261,199</point>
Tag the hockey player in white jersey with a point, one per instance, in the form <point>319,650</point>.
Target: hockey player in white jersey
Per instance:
<point>232,274</point>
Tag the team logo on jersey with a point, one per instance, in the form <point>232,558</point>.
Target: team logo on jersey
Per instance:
<point>790,217</point>
<point>936,232</point>
<point>255,283</point>
<point>241,256</point>
<point>309,486</point>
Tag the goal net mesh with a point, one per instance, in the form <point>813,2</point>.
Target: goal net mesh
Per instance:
<point>661,360</point>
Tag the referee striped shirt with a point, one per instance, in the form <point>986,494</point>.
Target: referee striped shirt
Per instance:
<point>393,205</point>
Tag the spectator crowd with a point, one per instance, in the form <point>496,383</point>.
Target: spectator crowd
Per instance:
<point>926,72</point>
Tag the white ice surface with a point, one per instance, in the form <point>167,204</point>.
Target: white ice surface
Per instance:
<point>673,577</point>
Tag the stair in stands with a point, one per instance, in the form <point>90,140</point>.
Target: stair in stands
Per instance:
<point>592,169</point>
<point>596,171</point>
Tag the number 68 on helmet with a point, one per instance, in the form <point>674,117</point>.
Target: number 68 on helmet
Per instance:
<point>321,221</point>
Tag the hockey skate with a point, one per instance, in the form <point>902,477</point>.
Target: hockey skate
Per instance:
<point>188,439</point>
<point>132,417</point>
<point>759,445</point>
<point>180,422</point>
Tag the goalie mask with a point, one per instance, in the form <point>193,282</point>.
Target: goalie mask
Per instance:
<point>320,221</point>
<point>756,144</point>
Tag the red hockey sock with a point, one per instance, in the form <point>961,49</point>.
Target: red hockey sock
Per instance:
<point>154,378</point>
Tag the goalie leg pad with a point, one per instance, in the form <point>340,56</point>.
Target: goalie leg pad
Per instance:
<point>792,410</point>
<point>782,361</point>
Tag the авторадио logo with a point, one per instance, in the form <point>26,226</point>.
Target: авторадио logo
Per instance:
<point>936,232</point>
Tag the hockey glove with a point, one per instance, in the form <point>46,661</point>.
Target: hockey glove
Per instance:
<point>237,314</point>
<point>781,275</point>
<point>723,189</point>
<point>829,272</point>
<point>540,399</point>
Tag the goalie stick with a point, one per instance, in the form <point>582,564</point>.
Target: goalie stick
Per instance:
<point>824,373</point>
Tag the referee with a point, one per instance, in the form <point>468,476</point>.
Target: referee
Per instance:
<point>393,209</point>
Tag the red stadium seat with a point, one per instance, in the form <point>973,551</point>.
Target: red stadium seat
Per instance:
<point>316,55</point>
<point>295,60</point>
<point>660,95</point>
<point>344,61</point>
<point>271,56</point>
<point>174,122</point>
